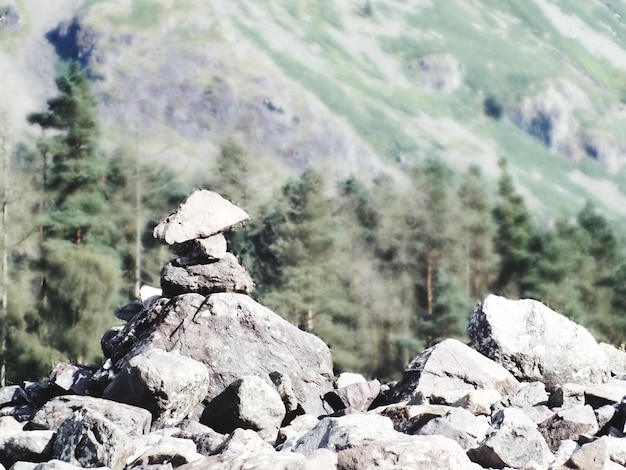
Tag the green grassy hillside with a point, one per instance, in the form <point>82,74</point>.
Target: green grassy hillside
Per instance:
<point>365,86</point>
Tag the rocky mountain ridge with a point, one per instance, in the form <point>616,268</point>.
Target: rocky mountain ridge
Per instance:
<point>357,88</point>
<point>207,378</point>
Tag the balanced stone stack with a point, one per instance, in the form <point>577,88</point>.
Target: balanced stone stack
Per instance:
<point>195,232</point>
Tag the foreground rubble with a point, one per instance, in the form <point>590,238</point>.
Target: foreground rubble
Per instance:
<point>203,377</point>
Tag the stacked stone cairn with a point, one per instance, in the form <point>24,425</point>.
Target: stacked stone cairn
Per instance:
<point>203,377</point>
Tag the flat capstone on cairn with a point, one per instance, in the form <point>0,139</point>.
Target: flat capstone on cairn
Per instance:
<point>201,376</point>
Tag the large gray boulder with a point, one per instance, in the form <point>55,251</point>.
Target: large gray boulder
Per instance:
<point>405,452</point>
<point>569,423</point>
<point>235,336</point>
<point>133,420</point>
<point>451,366</point>
<point>512,441</point>
<point>335,433</point>
<point>536,343</point>
<point>167,384</point>
<point>35,446</point>
<point>88,439</point>
<point>248,403</point>
<point>203,214</point>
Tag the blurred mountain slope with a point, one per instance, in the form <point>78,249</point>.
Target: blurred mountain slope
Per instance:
<point>351,87</point>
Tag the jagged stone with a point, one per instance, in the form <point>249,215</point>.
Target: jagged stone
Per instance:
<point>531,394</point>
<point>451,365</point>
<point>297,428</point>
<point>569,423</point>
<point>117,345</point>
<point>34,446</point>
<point>201,250</point>
<point>167,384</point>
<point>248,403</point>
<point>12,395</point>
<point>512,441</point>
<point>234,336</point>
<point>591,456</point>
<point>349,378</point>
<point>132,420</point>
<point>161,450</point>
<point>605,394</point>
<point>522,336</point>
<point>72,378</point>
<point>409,418</point>
<point>405,452</point>
<point>358,396</point>
<point>479,402</point>
<point>206,439</point>
<point>88,439</point>
<point>202,215</point>
<point>617,359</point>
<point>443,427</point>
<point>337,433</point>
<point>567,395</point>
<point>223,275</point>
<point>475,426</point>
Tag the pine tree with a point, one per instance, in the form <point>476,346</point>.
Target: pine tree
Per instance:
<point>477,235</point>
<point>300,277</point>
<point>514,233</point>
<point>80,269</point>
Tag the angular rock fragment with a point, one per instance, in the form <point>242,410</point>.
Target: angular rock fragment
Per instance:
<point>88,439</point>
<point>168,385</point>
<point>569,423</point>
<point>452,366</point>
<point>132,420</point>
<point>201,250</point>
<point>513,441</point>
<point>248,403</point>
<point>34,446</point>
<point>405,452</point>
<point>357,396</point>
<point>224,275</point>
<point>203,214</point>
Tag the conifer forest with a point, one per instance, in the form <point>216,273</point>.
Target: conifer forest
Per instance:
<point>378,269</point>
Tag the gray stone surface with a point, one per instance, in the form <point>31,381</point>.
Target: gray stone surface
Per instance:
<point>88,439</point>
<point>452,366</point>
<point>132,420</point>
<point>203,214</point>
<point>617,359</point>
<point>223,275</point>
<point>201,249</point>
<point>536,343</point>
<point>167,384</point>
<point>569,423</point>
<point>248,403</point>
<point>235,336</point>
<point>409,452</point>
<point>154,449</point>
<point>34,446</point>
<point>357,396</point>
<point>512,441</point>
<point>337,433</point>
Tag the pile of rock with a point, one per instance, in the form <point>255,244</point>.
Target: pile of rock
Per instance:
<point>203,377</point>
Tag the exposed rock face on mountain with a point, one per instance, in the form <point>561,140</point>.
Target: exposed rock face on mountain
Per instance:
<point>213,380</point>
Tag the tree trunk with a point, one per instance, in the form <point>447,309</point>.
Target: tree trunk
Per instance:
<point>5,248</point>
<point>138,247</point>
<point>429,283</point>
